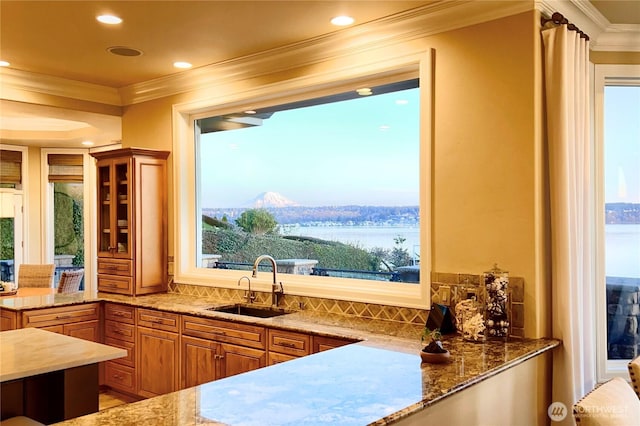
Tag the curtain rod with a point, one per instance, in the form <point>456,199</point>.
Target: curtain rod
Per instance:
<point>559,19</point>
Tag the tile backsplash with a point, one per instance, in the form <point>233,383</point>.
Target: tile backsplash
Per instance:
<point>444,285</point>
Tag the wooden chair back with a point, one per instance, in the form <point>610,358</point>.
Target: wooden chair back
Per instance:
<point>30,275</point>
<point>70,281</point>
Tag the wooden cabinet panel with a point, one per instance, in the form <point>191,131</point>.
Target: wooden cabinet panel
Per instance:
<point>120,313</point>
<point>87,330</point>
<point>120,331</point>
<point>120,377</point>
<point>238,359</point>
<point>54,328</point>
<point>158,320</point>
<point>130,359</point>
<point>123,267</point>
<point>200,361</point>
<point>289,342</point>
<point>157,363</point>
<point>324,343</point>
<point>8,320</point>
<point>224,331</point>
<point>61,315</point>
<point>276,358</point>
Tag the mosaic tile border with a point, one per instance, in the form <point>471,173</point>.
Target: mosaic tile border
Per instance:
<point>293,302</point>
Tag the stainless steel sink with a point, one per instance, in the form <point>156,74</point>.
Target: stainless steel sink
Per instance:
<point>251,311</point>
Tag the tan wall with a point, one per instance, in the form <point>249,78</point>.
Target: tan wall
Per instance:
<point>624,58</point>
<point>34,195</point>
<point>485,127</point>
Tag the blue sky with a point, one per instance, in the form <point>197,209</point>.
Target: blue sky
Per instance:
<point>363,151</point>
<point>622,144</point>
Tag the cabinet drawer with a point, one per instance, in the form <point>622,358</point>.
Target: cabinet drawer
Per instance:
<point>120,377</point>
<point>120,313</point>
<point>122,267</point>
<point>276,358</point>
<point>158,320</point>
<point>223,331</point>
<point>130,359</point>
<point>289,342</point>
<point>120,331</point>
<point>324,343</point>
<point>115,284</point>
<point>62,315</point>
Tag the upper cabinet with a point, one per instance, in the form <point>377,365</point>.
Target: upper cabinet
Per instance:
<point>132,221</point>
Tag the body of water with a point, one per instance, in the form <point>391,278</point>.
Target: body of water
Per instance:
<point>622,242</point>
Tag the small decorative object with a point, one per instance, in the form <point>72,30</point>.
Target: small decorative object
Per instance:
<point>433,352</point>
<point>7,288</point>
<point>470,317</point>
<point>496,282</point>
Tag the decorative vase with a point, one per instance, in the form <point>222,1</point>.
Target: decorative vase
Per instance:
<point>438,358</point>
<point>470,319</point>
<point>496,283</point>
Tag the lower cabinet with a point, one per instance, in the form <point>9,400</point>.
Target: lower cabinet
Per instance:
<point>81,321</point>
<point>8,320</point>
<point>158,346</point>
<point>238,359</point>
<point>200,361</point>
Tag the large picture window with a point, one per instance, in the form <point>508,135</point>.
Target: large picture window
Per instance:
<point>331,181</point>
<point>328,186</point>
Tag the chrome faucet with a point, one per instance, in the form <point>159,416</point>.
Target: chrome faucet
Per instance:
<point>276,288</point>
<point>249,295</point>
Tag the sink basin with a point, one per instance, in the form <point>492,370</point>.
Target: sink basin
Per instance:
<point>251,311</point>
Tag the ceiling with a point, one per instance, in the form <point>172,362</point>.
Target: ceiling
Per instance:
<point>63,39</point>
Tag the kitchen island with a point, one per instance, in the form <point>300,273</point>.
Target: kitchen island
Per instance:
<point>378,381</point>
<point>48,376</point>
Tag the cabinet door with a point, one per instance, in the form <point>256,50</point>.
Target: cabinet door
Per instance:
<point>8,320</point>
<point>114,213</point>
<point>157,362</point>
<point>87,330</point>
<point>238,359</point>
<point>200,360</point>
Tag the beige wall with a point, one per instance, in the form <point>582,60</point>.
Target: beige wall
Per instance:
<point>624,58</point>
<point>484,173</point>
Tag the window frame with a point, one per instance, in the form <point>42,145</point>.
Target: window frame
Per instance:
<point>185,184</point>
<point>90,217</point>
<point>20,221</point>
<point>605,75</point>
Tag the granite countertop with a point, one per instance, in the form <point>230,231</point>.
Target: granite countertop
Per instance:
<point>30,351</point>
<point>376,381</point>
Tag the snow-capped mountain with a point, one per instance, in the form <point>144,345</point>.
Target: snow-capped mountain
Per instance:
<point>271,199</point>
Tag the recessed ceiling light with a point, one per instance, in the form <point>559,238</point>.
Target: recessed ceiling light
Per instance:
<point>181,64</point>
<point>109,19</point>
<point>342,20</point>
<point>4,64</point>
<point>384,127</point>
<point>364,91</point>
<point>249,111</point>
<point>87,143</point>
<point>402,102</point>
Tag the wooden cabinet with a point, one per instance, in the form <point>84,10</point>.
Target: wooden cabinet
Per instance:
<point>324,343</point>
<point>200,361</point>
<point>285,345</point>
<point>8,320</point>
<point>82,321</point>
<point>132,221</point>
<point>213,349</point>
<point>119,331</point>
<point>158,346</point>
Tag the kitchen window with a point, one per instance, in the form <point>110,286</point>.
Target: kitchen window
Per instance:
<point>262,176</point>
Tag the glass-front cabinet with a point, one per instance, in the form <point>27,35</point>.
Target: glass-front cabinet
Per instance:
<point>114,215</point>
<point>132,221</point>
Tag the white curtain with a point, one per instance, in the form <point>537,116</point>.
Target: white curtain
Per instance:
<point>566,57</point>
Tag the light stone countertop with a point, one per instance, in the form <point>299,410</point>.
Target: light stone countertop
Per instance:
<point>30,351</point>
<point>377,381</point>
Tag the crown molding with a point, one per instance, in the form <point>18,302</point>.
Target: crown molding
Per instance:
<point>389,31</point>
<point>604,36</point>
<point>25,86</point>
